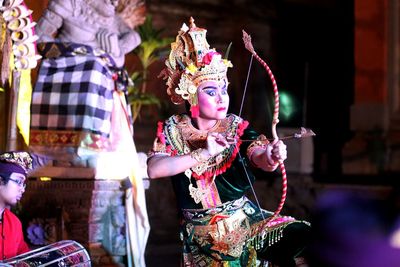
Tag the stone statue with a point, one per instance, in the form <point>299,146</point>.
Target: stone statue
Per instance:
<point>95,23</point>
<point>83,44</point>
<point>79,107</point>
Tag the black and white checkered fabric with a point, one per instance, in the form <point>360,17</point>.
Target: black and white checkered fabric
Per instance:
<point>75,93</point>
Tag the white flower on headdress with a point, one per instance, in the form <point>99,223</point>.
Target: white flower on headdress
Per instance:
<point>182,93</point>
<point>184,27</point>
<point>185,87</point>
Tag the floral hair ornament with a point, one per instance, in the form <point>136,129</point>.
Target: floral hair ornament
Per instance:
<point>190,63</point>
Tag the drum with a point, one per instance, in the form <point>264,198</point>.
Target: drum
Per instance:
<point>65,253</point>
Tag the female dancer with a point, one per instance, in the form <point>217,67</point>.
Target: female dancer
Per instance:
<point>210,166</point>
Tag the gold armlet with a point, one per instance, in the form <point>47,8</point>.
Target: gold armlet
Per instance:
<point>260,143</point>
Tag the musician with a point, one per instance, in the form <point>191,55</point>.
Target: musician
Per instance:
<point>210,166</point>
<point>14,167</point>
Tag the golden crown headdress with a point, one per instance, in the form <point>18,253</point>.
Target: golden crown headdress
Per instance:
<point>191,62</point>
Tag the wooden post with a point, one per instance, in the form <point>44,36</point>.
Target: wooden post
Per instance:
<point>12,130</point>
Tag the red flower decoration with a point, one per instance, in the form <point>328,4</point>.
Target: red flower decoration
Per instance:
<point>208,57</point>
<point>195,111</point>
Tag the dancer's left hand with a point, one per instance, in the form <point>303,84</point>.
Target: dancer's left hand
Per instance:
<point>276,152</point>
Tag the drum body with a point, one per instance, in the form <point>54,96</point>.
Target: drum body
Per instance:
<point>65,253</point>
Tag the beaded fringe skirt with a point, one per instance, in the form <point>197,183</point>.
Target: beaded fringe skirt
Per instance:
<point>229,234</point>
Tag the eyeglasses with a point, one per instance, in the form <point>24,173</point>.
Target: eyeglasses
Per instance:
<point>20,183</point>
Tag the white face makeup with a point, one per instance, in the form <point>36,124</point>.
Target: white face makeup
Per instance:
<point>213,99</point>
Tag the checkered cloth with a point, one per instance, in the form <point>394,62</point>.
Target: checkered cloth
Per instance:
<point>74,90</point>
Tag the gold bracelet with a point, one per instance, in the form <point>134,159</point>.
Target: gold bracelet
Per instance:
<point>198,156</point>
<point>260,143</point>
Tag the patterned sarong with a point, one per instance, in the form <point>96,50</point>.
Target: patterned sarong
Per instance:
<point>72,101</point>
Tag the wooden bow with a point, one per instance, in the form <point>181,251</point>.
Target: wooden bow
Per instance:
<point>249,46</point>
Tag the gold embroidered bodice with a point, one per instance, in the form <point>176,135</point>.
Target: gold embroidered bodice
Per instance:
<point>184,138</point>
